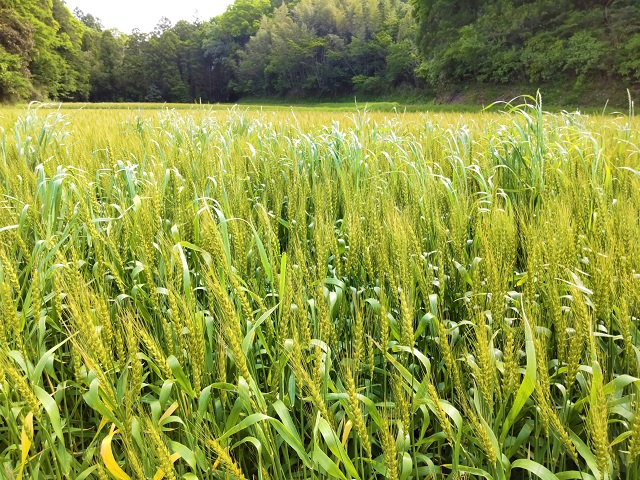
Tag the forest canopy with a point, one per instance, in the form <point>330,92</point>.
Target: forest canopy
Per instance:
<point>316,48</point>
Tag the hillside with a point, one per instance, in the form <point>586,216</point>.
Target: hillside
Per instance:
<point>425,49</point>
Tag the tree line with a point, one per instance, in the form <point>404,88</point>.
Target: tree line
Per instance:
<point>506,41</point>
<point>316,48</point>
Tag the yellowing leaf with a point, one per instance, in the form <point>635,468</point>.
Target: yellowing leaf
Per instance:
<point>345,434</point>
<point>168,413</point>
<point>107,457</point>
<point>25,442</point>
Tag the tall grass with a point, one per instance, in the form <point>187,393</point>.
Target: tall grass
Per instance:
<point>232,294</point>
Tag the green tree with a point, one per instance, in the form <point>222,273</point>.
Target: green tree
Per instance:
<point>16,44</point>
<point>499,41</point>
<point>133,74</point>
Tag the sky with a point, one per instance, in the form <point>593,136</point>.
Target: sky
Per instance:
<point>125,15</point>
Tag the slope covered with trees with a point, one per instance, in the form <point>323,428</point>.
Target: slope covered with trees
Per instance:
<point>505,41</point>
<point>41,51</point>
<point>318,48</point>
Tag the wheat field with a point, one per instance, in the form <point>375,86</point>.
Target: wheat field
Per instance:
<point>243,293</point>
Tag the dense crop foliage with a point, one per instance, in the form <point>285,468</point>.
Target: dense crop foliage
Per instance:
<point>291,295</point>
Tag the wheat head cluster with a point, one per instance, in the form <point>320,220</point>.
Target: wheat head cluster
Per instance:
<point>251,294</point>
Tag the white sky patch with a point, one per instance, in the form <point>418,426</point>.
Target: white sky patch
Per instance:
<point>125,15</point>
